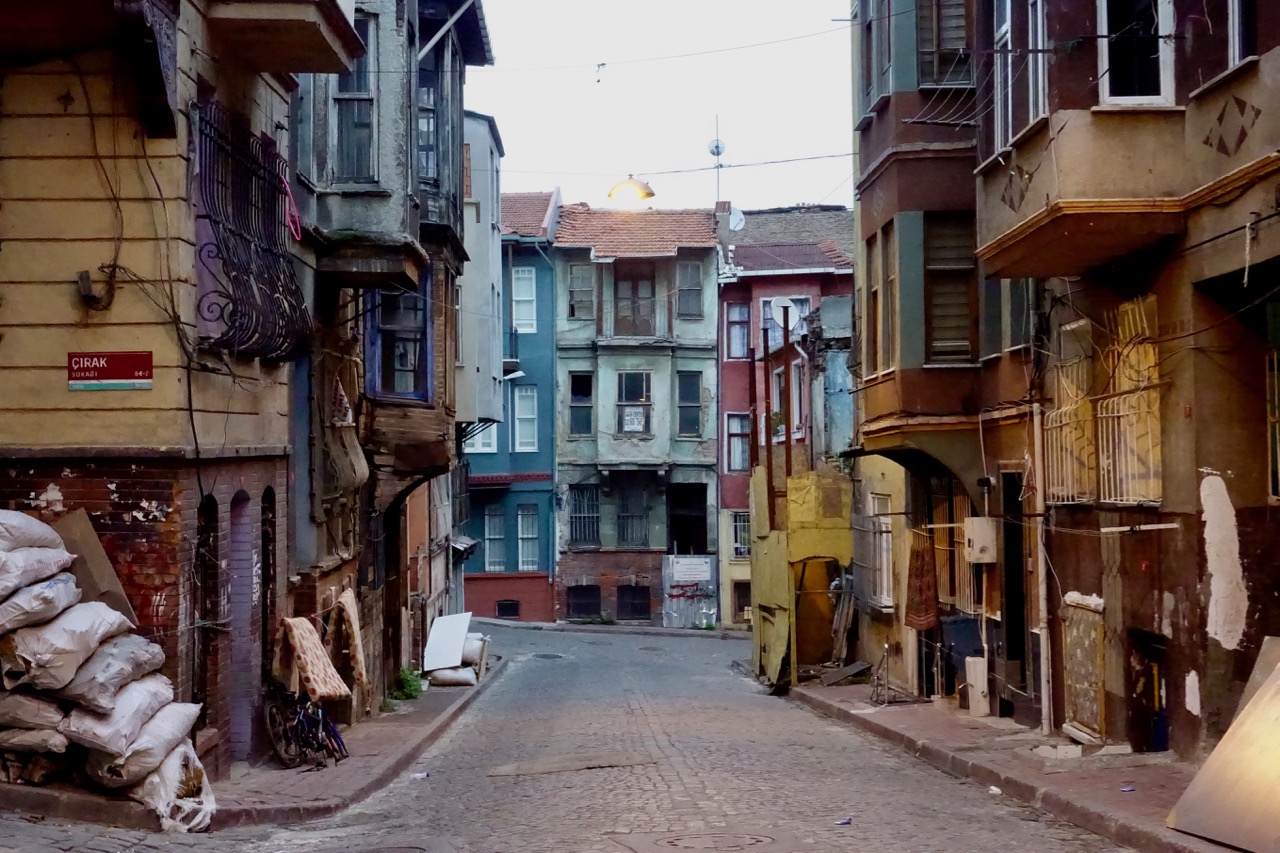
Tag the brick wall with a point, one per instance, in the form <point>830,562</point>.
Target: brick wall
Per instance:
<point>609,570</point>
<point>536,595</point>
<point>145,512</point>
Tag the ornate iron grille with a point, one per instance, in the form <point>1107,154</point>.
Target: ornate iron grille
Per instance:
<point>250,303</point>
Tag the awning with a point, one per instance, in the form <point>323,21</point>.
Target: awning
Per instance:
<point>465,546</point>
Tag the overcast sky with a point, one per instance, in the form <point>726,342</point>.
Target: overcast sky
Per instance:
<point>565,124</point>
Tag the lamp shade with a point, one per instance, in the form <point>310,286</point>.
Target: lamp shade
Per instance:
<point>632,189</point>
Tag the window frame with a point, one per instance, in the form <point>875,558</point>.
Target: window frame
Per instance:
<point>589,406</point>
<point>1165,58</point>
<point>929,31</point>
<point>740,533</point>
<point>474,444</point>
<point>642,321</point>
<point>632,515</point>
<point>521,444</point>
<point>584,515</point>
<point>737,428</point>
<point>368,95</point>
<point>877,54</point>
<point>933,272</point>
<point>528,540</point>
<point>494,513</point>
<point>526,276</point>
<point>572,303</point>
<point>683,287</point>
<point>682,405</point>
<point>1002,76</point>
<point>797,395</point>
<point>1037,59</point>
<point>426,351</point>
<point>773,327</point>
<point>730,324</point>
<point>1242,31</point>
<point>645,403</point>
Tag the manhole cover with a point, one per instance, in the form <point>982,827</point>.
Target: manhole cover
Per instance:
<point>770,841</point>
<point>548,656</point>
<point>651,648</point>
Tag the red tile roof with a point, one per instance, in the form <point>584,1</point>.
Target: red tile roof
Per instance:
<point>634,233</point>
<point>525,214</point>
<point>791,256</point>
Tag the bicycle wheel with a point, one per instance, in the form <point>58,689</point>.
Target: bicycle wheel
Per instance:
<point>283,744</point>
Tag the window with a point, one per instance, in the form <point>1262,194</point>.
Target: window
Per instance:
<point>1129,439</point>
<point>458,349</point>
<point>797,394</point>
<point>875,287</point>
<point>942,33</point>
<point>525,431</point>
<point>633,518</point>
<point>738,439</point>
<point>581,403</point>
<point>877,54</point>
<point>527,531</point>
<point>1070,446</point>
<point>741,534</point>
<point>584,515</point>
<point>775,403</point>
<point>796,316</point>
<point>1007,314</point>
<point>633,603</point>
<point>1037,59</point>
<point>635,402</point>
<point>1242,30</point>
<point>583,602</point>
<point>737,330</point>
<point>495,539</point>
<point>873,539</point>
<point>949,284</point>
<point>889,302</point>
<point>582,292</point>
<point>689,403</point>
<point>507,608</point>
<point>524,305</point>
<point>354,106</point>
<point>401,347</point>
<point>688,290</point>
<point>484,441</point>
<point>633,303</point>
<point>1003,78</point>
<point>742,601</point>
<point>1273,424</point>
<point>1135,59</point>
<point>428,163</point>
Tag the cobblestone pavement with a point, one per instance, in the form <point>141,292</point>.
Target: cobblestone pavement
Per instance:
<point>727,757</point>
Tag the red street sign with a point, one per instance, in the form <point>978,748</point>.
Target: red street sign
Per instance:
<point>109,371</point>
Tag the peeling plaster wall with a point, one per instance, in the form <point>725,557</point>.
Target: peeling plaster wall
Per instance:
<point>1228,598</point>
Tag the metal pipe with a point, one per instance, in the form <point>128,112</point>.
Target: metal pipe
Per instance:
<point>753,411</point>
<point>453,19</point>
<point>786,389</point>
<point>1042,576</point>
<point>768,432</point>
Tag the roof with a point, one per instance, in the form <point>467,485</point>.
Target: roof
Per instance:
<point>493,129</point>
<point>528,214</point>
<point>473,32</point>
<point>634,233</point>
<point>804,224</point>
<point>781,257</point>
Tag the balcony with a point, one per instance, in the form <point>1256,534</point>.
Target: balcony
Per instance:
<point>1109,183</point>
<point>288,36</point>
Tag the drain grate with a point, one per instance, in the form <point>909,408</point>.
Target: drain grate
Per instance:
<point>548,656</point>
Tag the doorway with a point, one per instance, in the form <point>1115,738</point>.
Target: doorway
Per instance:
<point>687,518</point>
<point>1011,645</point>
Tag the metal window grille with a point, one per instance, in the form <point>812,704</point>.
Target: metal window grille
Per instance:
<point>249,301</point>
<point>582,292</point>
<point>633,519</point>
<point>495,539</point>
<point>524,306</point>
<point>737,330</point>
<point>583,602</point>
<point>689,403</point>
<point>942,31</point>
<point>634,602</point>
<point>527,530</point>
<point>584,515</point>
<point>689,290</point>
<point>741,534</point>
<point>1071,456</point>
<point>1129,463</point>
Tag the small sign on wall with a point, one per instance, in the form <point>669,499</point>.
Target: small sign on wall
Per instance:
<point>109,371</point>
<point>690,569</point>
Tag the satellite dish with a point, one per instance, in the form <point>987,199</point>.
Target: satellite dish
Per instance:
<point>736,220</point>
<point>715,148</point>
<point>775,309</point>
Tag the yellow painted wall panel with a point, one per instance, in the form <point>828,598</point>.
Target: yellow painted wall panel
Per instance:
<point>83,178</point>
<point>58,261</point>
<point>45,389</point>
<point>234,430</point>
<point>93,220</point>
<point>68,136</point>
<point>129,428</point>
<point>59,92</point>
<point>56,303</point>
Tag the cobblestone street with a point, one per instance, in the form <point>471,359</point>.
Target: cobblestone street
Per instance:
<point>725,756</point>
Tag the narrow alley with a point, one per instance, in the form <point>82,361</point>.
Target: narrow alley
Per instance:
<point>726,757</point>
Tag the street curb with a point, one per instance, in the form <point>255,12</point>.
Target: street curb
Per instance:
<point>390,767</point>
<point>1020,786</point>
<point>636,630</point>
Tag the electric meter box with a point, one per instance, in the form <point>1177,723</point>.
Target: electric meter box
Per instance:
<point>980,539</point>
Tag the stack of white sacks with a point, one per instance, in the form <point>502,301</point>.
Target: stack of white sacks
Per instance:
<point>81,695</point>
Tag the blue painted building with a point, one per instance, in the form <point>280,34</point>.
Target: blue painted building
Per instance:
<point>513,461</point>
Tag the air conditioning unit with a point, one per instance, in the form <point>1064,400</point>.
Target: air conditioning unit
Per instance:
<point>980,539</point>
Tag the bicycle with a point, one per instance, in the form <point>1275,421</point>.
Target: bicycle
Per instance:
<point>299,730</point>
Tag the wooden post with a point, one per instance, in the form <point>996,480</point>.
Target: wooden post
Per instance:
<point>786,390</point>
<point>752,408</point>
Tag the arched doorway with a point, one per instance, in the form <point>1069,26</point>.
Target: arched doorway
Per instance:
<point>243,569</point>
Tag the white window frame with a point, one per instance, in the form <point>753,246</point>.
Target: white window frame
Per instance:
<point>730,437</point>
<point>645,403</point>
<point>495,539</point>
<point>775,394</point>
<point>589,271</point>
<point>740,528</point>
<point>796,318</point>
<point>729,323</point>
<point>528,556</point>
<point>524,293</point>
<point>1164,23</point>
<point>689,280</point>
<point>1003,78</point>
<point>882,512</point>
<point>459,350</point>
<point>797,395</point>
<point>524,420</point>
<point>1235,34</point>
<point>484,441</point>
<point>1037,59</point>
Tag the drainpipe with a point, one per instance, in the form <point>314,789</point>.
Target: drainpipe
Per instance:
<point>453,19</point>
<point>1042,577</point>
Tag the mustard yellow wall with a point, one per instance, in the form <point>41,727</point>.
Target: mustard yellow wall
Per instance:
<point>880,476</point>
<point>731,569</point>
<point>67,133</point>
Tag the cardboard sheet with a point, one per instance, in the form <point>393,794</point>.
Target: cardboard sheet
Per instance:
<point>1232,799</point>
<point>93,570</point>
<point>1268,660</point>
<point>444,643</point>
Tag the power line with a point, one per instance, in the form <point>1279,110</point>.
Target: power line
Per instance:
<point>684,171</point>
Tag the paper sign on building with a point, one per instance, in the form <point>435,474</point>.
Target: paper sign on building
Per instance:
<point>690,569</point>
